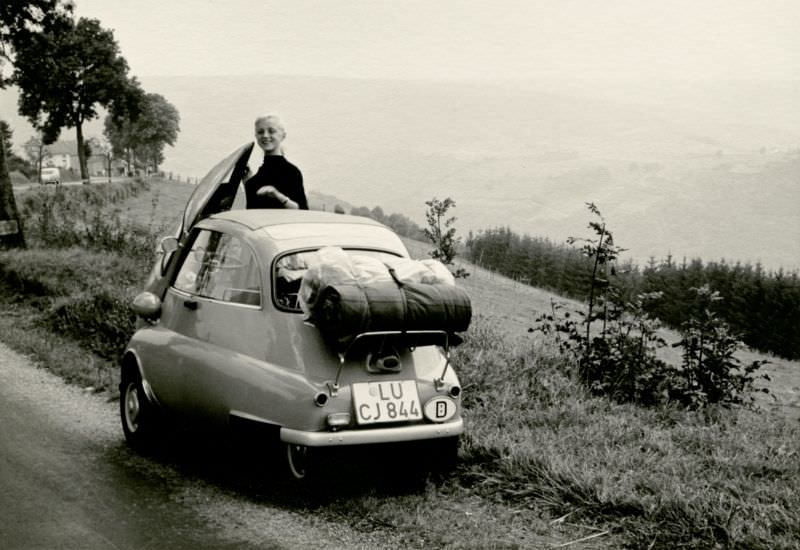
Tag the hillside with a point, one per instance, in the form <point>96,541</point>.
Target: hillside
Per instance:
<point>698,169</point>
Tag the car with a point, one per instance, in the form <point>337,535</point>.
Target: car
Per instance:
<point>225,339</point>
<point>51,175</point>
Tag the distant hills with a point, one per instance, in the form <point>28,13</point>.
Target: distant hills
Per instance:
<point>707,170</point>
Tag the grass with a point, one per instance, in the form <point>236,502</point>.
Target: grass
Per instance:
<point>542,463</point>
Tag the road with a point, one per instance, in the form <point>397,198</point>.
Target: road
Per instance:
<point>68,481</point>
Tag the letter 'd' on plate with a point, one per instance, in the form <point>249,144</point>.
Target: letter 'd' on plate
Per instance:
<point>396,401</point>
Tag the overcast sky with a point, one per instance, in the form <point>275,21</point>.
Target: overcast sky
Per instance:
<point>457,38</point>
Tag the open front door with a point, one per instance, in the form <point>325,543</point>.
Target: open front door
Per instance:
<point>216,190</point>
<point>214,193</point>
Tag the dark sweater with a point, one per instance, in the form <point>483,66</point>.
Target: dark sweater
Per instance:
<point>281,174</point>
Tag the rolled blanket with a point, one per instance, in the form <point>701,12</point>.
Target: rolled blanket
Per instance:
<point>345,310</point>
<point>436,307</point>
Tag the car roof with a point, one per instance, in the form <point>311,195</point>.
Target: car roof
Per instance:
<point>256,218</point>
<point>294,229</point>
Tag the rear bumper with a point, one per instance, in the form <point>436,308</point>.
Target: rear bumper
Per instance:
<point>376,435</point>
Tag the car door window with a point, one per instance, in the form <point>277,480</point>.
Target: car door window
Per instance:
<point>221,267</point>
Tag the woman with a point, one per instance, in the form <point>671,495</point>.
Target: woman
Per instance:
<point>278,183</point>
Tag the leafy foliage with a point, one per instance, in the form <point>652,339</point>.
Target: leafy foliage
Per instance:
<point>65,73</point>
<point>86,264</point>
<point>143,139</point>
<point>13,161</point>
<point>762,307</point>
<point>441,233</point>
<point>710,371</point>
<point>83,216</point>
<point>21,20</point>
<point>615,342</point>
<point>37,152</point>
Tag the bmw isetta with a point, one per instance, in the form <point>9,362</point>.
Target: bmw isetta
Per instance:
<point>224,335</point>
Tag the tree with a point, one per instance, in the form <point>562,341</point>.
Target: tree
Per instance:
<point>20,22</point>
<point>13,161</point>
<point>143,138</point>
<point>37,152</point>
<point>441,233</point>
<point>65,73</point>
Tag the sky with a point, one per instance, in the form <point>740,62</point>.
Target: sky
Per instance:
<point>457,39</point>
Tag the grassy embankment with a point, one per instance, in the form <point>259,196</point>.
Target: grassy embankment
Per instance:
<point>542,462</point>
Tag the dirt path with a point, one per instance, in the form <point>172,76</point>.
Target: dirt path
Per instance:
<point>67,480</point>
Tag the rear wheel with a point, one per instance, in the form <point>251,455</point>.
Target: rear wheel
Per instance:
<point>136,412</point>
<point>445,454</point>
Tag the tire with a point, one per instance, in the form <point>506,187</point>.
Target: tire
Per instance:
<point>136,412</point>
<point>445,453</point>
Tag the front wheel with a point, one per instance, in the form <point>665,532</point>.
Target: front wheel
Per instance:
<point>136,413</point>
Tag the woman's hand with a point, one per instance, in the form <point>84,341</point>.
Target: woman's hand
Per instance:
<point>271,192</point>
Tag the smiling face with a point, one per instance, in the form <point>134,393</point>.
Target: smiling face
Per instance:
<point>270,134</point>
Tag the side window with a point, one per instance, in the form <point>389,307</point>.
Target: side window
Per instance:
<point>221,267</point>
<point>289,271</point>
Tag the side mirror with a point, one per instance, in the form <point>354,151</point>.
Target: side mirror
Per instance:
<point>169,245</point>
<point>147,306</point>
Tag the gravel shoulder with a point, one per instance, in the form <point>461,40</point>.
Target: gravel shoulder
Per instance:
<point>98,494</point>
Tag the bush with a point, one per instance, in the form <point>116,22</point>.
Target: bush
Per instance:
<point>85,217</point>
<point>83,295</point>
<point>710,371</point>
<point>661,477</point>
<point>614,343</point>
<point>103,322</point>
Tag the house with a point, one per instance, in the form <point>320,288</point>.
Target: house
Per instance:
<point>61,154</point>
<point>64,155</point>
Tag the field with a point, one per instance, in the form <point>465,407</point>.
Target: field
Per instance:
<point>543,463</point>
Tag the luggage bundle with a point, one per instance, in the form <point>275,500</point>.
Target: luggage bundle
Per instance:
<point>346,295</point>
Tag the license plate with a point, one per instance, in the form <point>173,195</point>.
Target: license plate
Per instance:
<point>396,401</point>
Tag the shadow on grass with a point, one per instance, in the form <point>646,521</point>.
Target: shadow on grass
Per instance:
<point>257,469</point>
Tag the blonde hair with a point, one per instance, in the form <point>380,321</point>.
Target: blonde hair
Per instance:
<point>276,120</point>
<point>271,116</point>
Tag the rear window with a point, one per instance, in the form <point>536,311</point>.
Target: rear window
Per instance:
<point>289,269</point>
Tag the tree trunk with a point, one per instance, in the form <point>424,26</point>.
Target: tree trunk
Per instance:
<point>10,224</point>
<point>81,153</point>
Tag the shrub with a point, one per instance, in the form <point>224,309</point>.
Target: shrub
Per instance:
<point>85,217</point>
<point>84,295</point>
<point>441,233</point>
<point>103,322</point>
<point>710,371</point>
<point>614,343</point>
